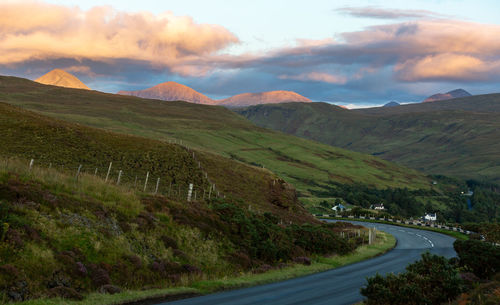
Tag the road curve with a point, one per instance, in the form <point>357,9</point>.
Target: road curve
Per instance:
<point>336,286</point>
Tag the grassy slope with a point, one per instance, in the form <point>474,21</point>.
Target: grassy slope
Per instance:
<point>305,164</point>
<point>57,232</point>
<point>29,135</point>
<point>457,138</point>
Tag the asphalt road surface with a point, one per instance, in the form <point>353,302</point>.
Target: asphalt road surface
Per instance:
<point>337,286</point>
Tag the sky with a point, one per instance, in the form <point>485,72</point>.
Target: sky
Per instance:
<point>355,53</point>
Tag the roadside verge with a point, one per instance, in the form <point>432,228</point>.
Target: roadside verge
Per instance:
<point>383,243</point>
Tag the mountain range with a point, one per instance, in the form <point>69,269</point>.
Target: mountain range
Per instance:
<point>172,91</point>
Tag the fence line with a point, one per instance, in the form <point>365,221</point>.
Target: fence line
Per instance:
<point>169,189</point>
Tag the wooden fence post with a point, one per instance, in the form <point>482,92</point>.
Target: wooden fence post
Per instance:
<point>78,172</point>
<point>119,177</point>
<point>31,163</point>
<point>157,184</point>
<point>190,192</point>
<point>146,182</point>
<point>109,170</point>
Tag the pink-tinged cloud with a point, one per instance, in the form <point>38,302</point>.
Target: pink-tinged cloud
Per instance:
<point>383,13</point>
<point>317,77</point>
<point>424,50</point>
<point>104,34</point>
<point>449,66</point>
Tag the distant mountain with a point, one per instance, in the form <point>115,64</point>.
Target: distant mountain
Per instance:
<point>270,97</point>
<point>171,91</point>
<point>448,95</point>
<point>61,78</point>
<point>392,104</point>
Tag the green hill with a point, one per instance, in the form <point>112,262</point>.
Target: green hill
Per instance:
<point>68,235</point>
<point>456,137</point>
<point>65,146</point>
<point>307,165</point>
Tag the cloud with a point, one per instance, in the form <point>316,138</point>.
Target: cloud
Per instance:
<point>85,70</point>
<point>424,50</point>
<point>382,13</point>
<point>105,34</point>
<point>446,66</point>
<point>318,77</point>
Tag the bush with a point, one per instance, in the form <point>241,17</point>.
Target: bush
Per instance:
<point>431,280</point>
<point>482,258</point>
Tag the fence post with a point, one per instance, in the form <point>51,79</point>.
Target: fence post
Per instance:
<point>31,163</point>
<point>157,184</point>
<point>109,170</point>
<point>50,165</point>
<point>146,182</point>
<point>190,192</point>
<point>119,177</point>
<point>78,172</point>
<point>95,172</point>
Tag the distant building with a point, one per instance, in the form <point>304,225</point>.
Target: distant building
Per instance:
<point>430,217</point>
<point>378,206</point>
<point>338,208</point>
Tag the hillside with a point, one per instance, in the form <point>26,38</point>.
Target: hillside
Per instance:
<point>306,165</point>
<point>65,146</point>
<point>456,137</point>
<point>271,97</point>
<point>171,91</point>
<point>61,78</point>
<point>67,235</point>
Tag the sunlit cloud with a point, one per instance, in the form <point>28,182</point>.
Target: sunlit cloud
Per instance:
<point>104,34</point>
<point>317,76</point>
<point>384,13</point>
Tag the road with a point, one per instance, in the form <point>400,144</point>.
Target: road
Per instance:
<point>337,286</point>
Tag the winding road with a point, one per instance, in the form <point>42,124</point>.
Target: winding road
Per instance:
<point>338,286</point>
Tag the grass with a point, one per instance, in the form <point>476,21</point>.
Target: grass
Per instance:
<point>305,164</point>
<point>54,226</point>
<point>123,297</point>
<point>384,242</point>
<point>455,138</point>
<point>64,146</point>
<point>454,234</point>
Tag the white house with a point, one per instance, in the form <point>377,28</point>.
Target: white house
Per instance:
<point>379,206</point>
<point>430,217</point>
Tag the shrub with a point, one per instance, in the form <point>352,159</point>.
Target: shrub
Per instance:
<point>431,280</point>
<point>482,258</point>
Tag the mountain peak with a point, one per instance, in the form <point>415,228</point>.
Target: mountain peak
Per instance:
<point>392,104</point>
<point>171,91</point>
<point>268,97</point>
<point>448,95</point>
<point>61,78</point>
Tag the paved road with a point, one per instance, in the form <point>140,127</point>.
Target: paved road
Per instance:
<point>337,286</point>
